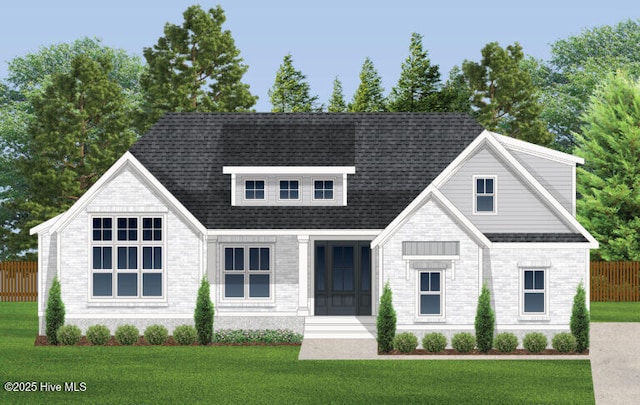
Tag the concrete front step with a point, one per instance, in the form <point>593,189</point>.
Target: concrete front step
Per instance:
<point>340,327</point>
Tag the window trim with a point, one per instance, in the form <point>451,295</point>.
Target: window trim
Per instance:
<point>289,179</point>
<point>323,179</point>
<point>247,273</point>
<point>475,194</point>
<point>441,317</point>
<point>521,293</point>
<point>244,189</point>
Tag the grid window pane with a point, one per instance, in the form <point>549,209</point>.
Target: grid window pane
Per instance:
<point>488,186</point>
<point>101,229</point>
<point>152,229</point>
<point>127,258</point>
<point>234,285</point>
<point>424,282</point>
<point>259,286</point>
<point>102,258</point>
<point>534,302</point>
<point>128,285</point>
<point>539,280</point>
<point>102,286</point>
<point>484,203</point>
<point>430,304</point>
<point>152,285</point>
<point>152,258</point>
<point>127,228</point>
<point>528,280</point>
<point>228,258</point>
<point>480,186</point>
<point>435,281</point>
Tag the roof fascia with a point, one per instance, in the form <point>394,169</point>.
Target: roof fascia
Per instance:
<point>289,169</point>
<point>545,245</point>
<point>45,225</point>
<point>537,150</point>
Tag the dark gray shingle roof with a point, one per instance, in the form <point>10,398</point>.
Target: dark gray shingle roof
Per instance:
<point>535,237</point>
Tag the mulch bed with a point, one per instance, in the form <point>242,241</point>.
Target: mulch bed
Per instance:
<point>42,341</point>
<point>492,352</point>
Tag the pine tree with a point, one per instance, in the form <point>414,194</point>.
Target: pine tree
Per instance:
<point>386,322</point>
<point>204,313</point>
<point>607,183</point>
<point>417,88</point>
<point>369,95</point>
<point>504,95</point>
<point>580,321</point>
<point>54,317</point>
<point>290,93</point>
<point>485,321</point>
<point>337,103</point>
<point>195,67</point>
<point>455,95</point>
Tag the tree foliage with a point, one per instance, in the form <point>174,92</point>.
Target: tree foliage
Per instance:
<point>290,91</point>
<point>369,95</point>
<point>504,96</point>
<point>203,315</point>
<point>608,183</point>
<point>386,321</point>
<point>195,67</point>
<point>485,321</point>
<point>54,316</point>
<point>336,102</point>
<point>580,321</point>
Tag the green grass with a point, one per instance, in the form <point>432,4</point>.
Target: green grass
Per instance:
<point>162,374</point>
<point>615,312</point>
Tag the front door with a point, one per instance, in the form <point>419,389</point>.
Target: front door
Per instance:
<point>342,278</point>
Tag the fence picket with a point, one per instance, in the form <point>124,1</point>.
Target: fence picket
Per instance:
<point>18,281</point>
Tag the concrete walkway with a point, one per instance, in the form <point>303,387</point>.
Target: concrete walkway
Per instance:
<point>614,355</point>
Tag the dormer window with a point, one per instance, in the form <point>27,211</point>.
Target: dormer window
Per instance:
<point>289,190</point>
<point>254,190</point>
<point>323,190</point>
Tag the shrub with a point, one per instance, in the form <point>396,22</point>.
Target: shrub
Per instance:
<point>241,336</point>
<point>386,322</point>
<point>69,335</point>
<point>535,342</point>
<point>98,335</point>
<point>405,342</point>
<point>485,321</point>
<point>185,334</point>
<point>55,312</point>
<point>506,342</point>
<point>127,334</point>
<point>204,313</point>
<point>156,334</point>
<point>579,322</point>
<point>564,342</point>
<point>463,342</point>
<point>434,342</point>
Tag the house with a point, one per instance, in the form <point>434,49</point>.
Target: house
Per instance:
<point>298,221</point>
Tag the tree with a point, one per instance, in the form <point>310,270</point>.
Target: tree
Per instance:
<point>337,103</point>
<point>290,93</point>
<point>54,316</point>
<point>204,313</point>
<point>608,183</point>
<point>504,96</point>
<point>419,83</point>
<point>485,321</point>
<point>386,321</point>
<point>580,321</point>
<point>455,95</point>
<point>368,97</point>
<point>195,67</point>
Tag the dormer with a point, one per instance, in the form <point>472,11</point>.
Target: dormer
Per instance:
<point>289,185</point>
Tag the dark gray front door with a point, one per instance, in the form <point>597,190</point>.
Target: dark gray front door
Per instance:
<point>342,278</point>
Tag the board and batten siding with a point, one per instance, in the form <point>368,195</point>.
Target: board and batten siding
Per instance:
<point>519,209</point>
<point>272,189</point>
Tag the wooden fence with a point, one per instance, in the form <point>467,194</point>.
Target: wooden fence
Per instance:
<point>18,281</point>
<point>615,281</point>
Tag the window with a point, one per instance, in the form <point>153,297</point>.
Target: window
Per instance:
<point>323,190</point>
<point>534,292</point>
<point>430,293</point>
<point>247,272</point>
<point>289,190</point>
<point>130,266</point>
<point>254,190</point>
<point>485,192</point>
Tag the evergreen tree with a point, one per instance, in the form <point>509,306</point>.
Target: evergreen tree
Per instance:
<point>580,321</point>
<point>485,321</point>
<point>195,67</point>
<point>386,321</point>
<point>455,95</point>
<point>607,184</point>
<point>290,93</point>
<point>337,103</point>
<point>504,95</point>
<point>368,97</point>
<point>204,313</point>
<point>54,317</point>
<point>417,88</point>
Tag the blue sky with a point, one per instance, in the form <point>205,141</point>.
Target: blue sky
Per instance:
<point>326,38</point>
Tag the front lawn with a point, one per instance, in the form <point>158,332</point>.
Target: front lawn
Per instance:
<point>170,374</point>
<point>615,311</point>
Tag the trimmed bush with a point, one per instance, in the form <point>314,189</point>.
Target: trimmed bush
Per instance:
<point>268,336</point>
<point>55,312</point>
<point>98,335</point>
<point>506,342</point>
<point>204,313</point>
<point>564,342</point>
<point>434,342</point>
<point>463,342</point>
<point>185,334</point>
<point>69,335</point>
<point>485,321</point>
<point>386,321</point>
<point>579,322</point>
<point>127,335</point>
<point>535,342</point>
<point>156,334</point>
<point>405,342</point>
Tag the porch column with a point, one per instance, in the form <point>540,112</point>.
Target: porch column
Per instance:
<point>303,275</point>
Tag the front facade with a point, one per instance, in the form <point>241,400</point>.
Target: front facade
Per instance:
<point>296,219</point>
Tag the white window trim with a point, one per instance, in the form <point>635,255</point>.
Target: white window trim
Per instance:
<point>246,272</point>
<point>533,316</point>
<point>286,200</point>
<point>495,194</point>
<point>313,188</point>
<point>114,244</point>
<point>431,318</point>
<point>244,189</point>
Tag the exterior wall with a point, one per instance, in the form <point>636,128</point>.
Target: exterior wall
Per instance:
<point>272,189</point>
<point>518,208</point>
<point>47,261</point>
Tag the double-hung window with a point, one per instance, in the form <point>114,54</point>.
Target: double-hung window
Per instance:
<point>484,194</point>
<point>430,293</point>
<point>534,292</point>
<point>323,190</point>
<point>247,272</point>
<point>127,257</point>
